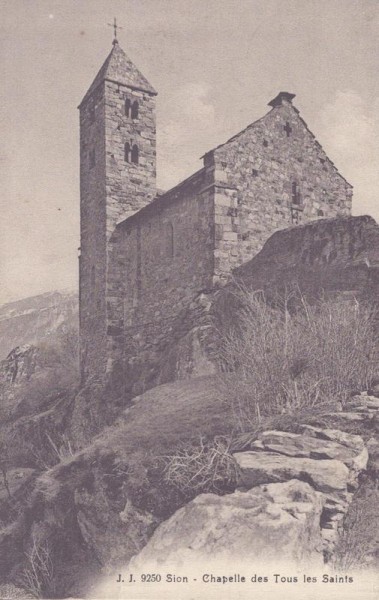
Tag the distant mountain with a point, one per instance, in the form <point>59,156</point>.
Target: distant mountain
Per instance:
<point>30,320</point>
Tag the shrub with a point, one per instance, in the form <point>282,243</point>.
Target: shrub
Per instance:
<point>201,467</point>
<point>38,575</point>
<point>275,360</point>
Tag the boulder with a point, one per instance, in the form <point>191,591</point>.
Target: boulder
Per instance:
<point>113,537</point>
<point>306,446</point>
<point>272,522</point>
<point>257,468</point>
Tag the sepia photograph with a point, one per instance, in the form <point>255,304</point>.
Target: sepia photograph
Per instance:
<point>189,299</point>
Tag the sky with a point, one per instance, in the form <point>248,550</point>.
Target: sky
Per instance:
<point>215,65</point>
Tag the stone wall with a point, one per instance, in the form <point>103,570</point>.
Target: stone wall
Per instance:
<point>92,263</point>
<point>281,176</point>
<point>164,260</point>
<point>113,187</point>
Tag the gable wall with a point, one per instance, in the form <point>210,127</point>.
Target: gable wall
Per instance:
<point>261,163</point>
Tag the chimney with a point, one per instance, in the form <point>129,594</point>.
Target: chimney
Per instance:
<point>282,98</point>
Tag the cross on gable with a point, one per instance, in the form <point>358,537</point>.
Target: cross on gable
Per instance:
<point>288,129</point>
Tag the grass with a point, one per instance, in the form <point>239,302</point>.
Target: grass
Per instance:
<point>295,356</point>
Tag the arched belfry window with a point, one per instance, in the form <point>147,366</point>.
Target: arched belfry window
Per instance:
<point>127,107</point>
<point>135,110</point>
<point>127,152</point>
<point>135,154</point>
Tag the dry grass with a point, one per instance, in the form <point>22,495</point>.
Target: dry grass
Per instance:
<point>202,467</point>
<point>280,361</point>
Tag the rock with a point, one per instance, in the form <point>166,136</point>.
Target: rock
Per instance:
<point>9,591</point>
<point>272,522</point>
<point>266,467</point>
<point>306,446</point>
<point>113,537</point>
<point>351,441</point>
<point>373,450</point>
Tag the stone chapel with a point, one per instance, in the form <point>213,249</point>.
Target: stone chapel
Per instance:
<point>144,255</point>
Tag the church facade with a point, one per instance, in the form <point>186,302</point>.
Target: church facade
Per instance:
<point>145,256</point>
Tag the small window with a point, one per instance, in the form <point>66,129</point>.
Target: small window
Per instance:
<point>265,143</point>
<point>127,107</point>
<point>92,159</point>
<point>169,240</point>
<point>288,129</point>
<point>135,110</point>
<point>255,172</point>
<point>134,154</point>
<point>320,213</point>
<point>127,152</point>
<point>295,195</point>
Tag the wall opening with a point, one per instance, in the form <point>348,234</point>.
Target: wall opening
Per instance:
<point>127,152</point>
<point>135,154</point>
<point>135,110</point>
<point>169,239</point>
<point>127,107</point>
<point>295,193</point>
<point>92,159</point>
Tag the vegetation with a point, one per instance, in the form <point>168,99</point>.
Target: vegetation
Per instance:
<point>358,544</point>
<point>202,467</point>
<point>297,356</point>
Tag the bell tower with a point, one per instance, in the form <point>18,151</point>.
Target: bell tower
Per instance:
<point>117,178</point>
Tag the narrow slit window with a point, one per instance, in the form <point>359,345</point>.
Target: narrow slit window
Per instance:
<point>135,154</point>
<point>169,240</point>
<point>127,107</point>
<point>295,193</point>
<point>127,152</point>
<point>92,159</point>
<point>135,110</point>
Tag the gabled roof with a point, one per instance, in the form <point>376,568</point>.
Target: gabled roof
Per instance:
<point>283,98</point>
<point>120,69</point>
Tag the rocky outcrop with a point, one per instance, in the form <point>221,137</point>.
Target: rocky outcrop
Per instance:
<point>294,492</point>
<point>31,320</point>
<point>267,523</point>
<point>332,255</point>
<point>19,365</point>
<point>329,460</point>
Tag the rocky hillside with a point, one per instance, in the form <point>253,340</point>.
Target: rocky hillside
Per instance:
<point>96,480</point>
<point>32,320</point>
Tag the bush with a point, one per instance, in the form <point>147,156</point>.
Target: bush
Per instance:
<point>281,361</point>
<point>38,576</point>
<point>202,467</point>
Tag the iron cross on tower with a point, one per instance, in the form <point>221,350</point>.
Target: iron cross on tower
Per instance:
<point>115,27</point>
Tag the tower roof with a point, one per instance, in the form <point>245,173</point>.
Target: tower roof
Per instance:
<point>118,68</point>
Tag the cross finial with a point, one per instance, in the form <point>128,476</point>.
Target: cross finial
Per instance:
<point>115,27</point>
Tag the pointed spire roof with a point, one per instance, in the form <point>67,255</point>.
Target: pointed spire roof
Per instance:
<point>118,68</point>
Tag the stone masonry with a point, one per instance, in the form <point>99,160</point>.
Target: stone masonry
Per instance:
<point>145,256</point>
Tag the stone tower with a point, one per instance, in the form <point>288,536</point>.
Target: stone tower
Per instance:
<point>117,178</point>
